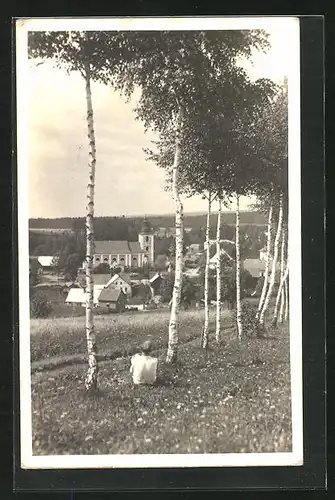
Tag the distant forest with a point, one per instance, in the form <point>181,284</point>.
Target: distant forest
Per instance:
<point>129,226</point>
<point>66,236</point>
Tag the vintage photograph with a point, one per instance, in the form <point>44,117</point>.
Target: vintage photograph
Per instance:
<point>159,242</point>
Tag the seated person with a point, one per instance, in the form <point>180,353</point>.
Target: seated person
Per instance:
<point>143,366</point>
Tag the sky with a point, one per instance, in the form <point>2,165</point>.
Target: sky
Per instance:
<point>126,184</point>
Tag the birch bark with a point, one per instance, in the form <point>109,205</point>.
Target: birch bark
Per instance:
<point>218,275</point>
<point>238,272</point>
<point>282,264</point>
<point>267,264</point>
<point>91,380</point>
<point>172,350</point>
<point>282,281</point>
<point>274,263</point>
<point>206,291</point>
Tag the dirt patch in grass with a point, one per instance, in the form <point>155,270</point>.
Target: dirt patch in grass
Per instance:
<point>228,399</point>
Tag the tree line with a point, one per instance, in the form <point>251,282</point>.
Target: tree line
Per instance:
<point>220,135</point>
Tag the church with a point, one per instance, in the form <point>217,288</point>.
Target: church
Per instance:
<point>127,253</point>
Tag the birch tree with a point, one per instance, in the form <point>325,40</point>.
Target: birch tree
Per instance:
<point>205,332</point>
<point>282,265</point>
<point>272,184</point>
<point>280,289</point>
<point>77,51</point>
<point>238,273</point>
<point>218,273</point>
<point>172,71</point>
<point>176,296</point>
<point>286,290</point>
<point>274,263</point>
<point>267,262</point>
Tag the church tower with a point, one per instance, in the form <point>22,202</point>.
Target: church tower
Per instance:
<point>146,240</point>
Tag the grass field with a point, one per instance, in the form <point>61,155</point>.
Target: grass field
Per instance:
<point>230,398</point>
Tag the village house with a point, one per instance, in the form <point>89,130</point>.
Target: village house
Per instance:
<point>223,252</point>
<point>101,282</point>
<point>155,283</point>
<point>255,267</point>
<point>46,262</point>
<point>127,253</point>
<point>121,282</point>
<point>135,304</point>
<point>112,298</point>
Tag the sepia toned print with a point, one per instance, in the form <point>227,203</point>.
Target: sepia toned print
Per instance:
<point>159,237</point>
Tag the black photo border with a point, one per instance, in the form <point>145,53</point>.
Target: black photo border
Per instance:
<point>312,474</point>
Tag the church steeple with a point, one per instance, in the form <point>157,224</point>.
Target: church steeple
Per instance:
<point>147,241</point>
<point>146,227</point>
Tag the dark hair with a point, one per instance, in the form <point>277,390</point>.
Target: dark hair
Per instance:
<point>146,347</point>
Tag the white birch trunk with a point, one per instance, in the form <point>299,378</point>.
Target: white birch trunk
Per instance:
<point>274,263</point>
<point>282,281</point>
<point>267,264</point>
<point>171,355</point>
<point>206,291</point>
<point>238,273</point>
<point>91,380</point>
<point>282,263</point>
<point>218,275</point>
<point>286,288</point>
<point>287,301</point>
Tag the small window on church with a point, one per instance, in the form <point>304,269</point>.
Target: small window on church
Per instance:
<point>97,259</point>
<point>147,249</point>
<point>125,288</point>
<point>105,259</point>
<point>147,239</point>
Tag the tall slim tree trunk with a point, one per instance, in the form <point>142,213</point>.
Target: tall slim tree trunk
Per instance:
<point>287,301</point>
<point>172,350</point>
<point>286,288</point>
<point>274,263</point>
<point>282,265</point>
<point>218,275</point>
<point>91,380</point>
<point>238,272</point>
<point>267,264</point>
<point>206,291</point>
<point>282,281</point>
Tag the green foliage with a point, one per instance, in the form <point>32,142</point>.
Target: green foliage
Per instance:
<point>40,307</point>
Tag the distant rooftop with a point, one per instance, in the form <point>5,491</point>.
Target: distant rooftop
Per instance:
<point>117,247</point>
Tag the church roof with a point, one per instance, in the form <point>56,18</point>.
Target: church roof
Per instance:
<point>117,247</point>
<point>135,247</point>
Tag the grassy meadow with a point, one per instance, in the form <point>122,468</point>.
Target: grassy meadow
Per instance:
<point>229,398</point>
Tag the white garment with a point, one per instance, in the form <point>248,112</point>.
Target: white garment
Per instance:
<point>143,368</point>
